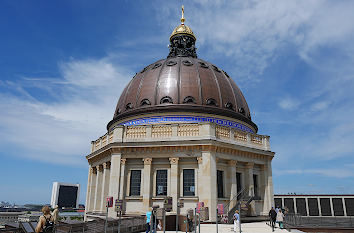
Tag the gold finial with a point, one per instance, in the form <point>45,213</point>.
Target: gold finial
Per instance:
<point>183,19</point>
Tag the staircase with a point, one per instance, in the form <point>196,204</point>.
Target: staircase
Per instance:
<point>242,199</point>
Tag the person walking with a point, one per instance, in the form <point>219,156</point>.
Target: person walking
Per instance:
<point>45,223</point>
<point>55,215</point>
<point>236,221</point>
<point>273,217</point>
<point>280,219</point>
<point>148,220</point>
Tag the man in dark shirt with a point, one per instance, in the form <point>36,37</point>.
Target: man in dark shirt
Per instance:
<point>273,217</point>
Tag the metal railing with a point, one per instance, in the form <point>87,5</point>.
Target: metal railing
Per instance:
<point>132,224</point>
<point>296,220</point>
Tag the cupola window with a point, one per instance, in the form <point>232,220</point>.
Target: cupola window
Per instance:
<point>145,102</point>
<point>189,100</point>
<point>229,105</point>
<point>128,106</point>
<point>187,63</point>
<point>241,110</point>
<point>202,64</point>
<point>156,65</point>
<point>211,102</point>
<point>171,63</point>
<point>166,100</point>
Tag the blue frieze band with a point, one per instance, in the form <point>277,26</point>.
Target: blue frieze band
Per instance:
<point>189,119</point>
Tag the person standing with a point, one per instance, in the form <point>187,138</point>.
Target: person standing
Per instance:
<point>280,219</point>
<point>56,215</point>
<point>273,217</point>
<point>148,220</point>
<point>45,223</point>
<point>236,221</point>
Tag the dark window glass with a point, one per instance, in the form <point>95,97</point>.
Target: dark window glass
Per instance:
<point>289,203</point>
<point>238,183</point>
<point>278,202</point>
<point>188,182</point>
<point>161,183</point>
<point>301,206</point>
<point>67,196</point>
<point>313,207</point>
<point>338,207</point>
<point>349,205</point>
<point>220,183</point>
<point>325,207</point>
<point>255,184</point>
<point>135,181</point>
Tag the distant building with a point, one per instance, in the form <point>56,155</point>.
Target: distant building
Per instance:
<point>317,205</point>
<point>33,217</point>
<point>65,195</point>
<point>9,217</point>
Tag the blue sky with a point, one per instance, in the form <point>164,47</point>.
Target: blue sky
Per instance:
<point>63,65</point>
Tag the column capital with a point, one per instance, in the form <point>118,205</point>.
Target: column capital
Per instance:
<point>232,162</point>
<point>263,167</point>
<point>249,165</point>
<point>107,165</point>
<point>173,160</point>
<point>147,161</point>
<point>93,170</point>
<point>99,167</point>
<point>122,161</point>
<point>200,160</point>
<point>217,159</point>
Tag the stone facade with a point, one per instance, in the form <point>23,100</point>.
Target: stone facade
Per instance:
<point>200,149</point>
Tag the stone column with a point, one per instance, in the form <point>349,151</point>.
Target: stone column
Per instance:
<point>98,194</point>
<point>91,197</point>
<point>264,188</point>
<point>174,183</point>
<point>89,178</point>
<point>207,184</point>
<point>122,177</point>
<point>105,185</point>
<point>270,183</point>
<point>147,184</point>
<point>233,182</point>
<point>249,182</point>
<point>114,181</point>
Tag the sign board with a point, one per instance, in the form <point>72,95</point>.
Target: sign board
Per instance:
<point>109,201</point>
<point>119,205</point>
<point>220,209</point>
<point>159,213</point>
<point>167,205</point>
<point>199,206</point>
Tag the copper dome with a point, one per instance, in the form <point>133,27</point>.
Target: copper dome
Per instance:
<point>182,83</point>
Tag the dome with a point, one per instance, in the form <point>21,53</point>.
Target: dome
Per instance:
<point>182,83</point>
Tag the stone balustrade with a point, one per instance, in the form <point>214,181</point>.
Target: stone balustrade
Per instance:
<point>182,132</point>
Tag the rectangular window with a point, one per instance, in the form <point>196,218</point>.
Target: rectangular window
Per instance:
<point>238,183</point>
<point>255,184</point>
<point>220,183</point>
<point>135,181</point>
<point>188,182</point>
<point>161,183</point>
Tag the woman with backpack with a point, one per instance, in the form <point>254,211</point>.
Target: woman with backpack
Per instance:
<point>46,222</point>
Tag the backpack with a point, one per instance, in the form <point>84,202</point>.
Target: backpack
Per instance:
<point>49,225</point>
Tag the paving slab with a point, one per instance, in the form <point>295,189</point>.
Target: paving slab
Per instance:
<point>255,227</point>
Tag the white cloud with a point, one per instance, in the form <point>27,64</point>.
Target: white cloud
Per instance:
<point>253,33</point>
<point>288,103</point>
<point>60,131</point>
<point>327,172</point>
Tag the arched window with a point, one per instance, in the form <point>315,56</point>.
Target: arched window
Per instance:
<point>229,105</point>
<point>189,100</point>
<point>145,102</point>
<point>166,100</point>
<point>128,106</point>
<point>118,111</point>
<point>211,102</point>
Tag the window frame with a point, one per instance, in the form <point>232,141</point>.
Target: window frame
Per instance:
<point>132,193</point>
<point>188,182</point>
<point>165,186</point>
